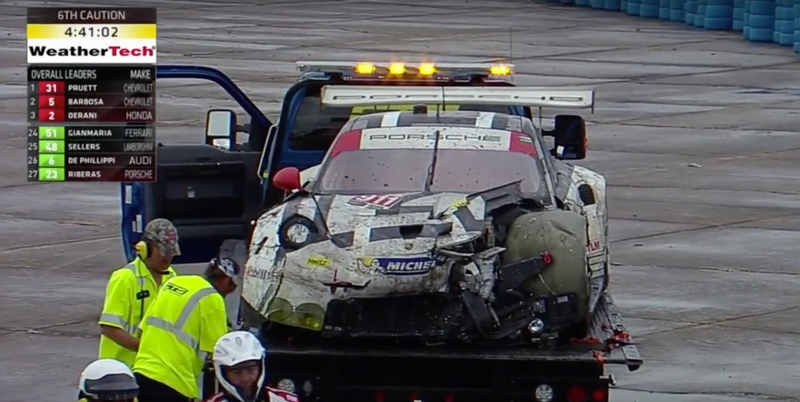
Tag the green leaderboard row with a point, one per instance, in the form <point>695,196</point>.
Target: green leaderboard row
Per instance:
<point>92,153</point>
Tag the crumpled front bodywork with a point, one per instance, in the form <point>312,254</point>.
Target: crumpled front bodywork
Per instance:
<point>453,266</point>
<point>386,249</point>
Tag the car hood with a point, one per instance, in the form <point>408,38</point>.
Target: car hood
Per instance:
<point>416,222</point>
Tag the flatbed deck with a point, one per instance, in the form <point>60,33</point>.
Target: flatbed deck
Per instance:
<point>608,343</point>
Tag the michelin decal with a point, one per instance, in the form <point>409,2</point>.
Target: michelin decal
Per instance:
<point>396,265</point>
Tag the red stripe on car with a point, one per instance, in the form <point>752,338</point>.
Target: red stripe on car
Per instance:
<point>349,141</point>
<point>521,143</point>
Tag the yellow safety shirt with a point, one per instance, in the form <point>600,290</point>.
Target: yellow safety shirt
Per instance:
<point>129,293</point>
<point>179,331</point>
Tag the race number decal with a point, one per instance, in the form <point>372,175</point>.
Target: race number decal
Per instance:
<point>375,201</point>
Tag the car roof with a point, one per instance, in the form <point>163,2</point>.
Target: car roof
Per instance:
<point>488,120</point>
<point>422,136</point>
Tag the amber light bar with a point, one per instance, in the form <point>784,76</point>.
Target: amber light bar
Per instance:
<point>399,69</point>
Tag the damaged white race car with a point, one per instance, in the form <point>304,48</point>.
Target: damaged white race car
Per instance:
<point>460,227</point>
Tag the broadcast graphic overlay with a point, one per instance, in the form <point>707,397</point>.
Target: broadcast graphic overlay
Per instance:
<point>91,94</point>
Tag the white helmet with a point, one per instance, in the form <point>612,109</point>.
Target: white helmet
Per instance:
<point>108,380</point>
<point>234,348</point>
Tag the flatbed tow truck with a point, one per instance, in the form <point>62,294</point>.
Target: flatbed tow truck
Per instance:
<point>213,192</point>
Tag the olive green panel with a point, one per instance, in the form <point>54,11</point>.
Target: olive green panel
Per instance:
<point>563,235</point>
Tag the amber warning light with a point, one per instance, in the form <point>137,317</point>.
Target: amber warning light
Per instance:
<point>403,70</point>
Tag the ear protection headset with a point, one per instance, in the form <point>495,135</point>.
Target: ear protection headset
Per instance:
<point>143,248</point>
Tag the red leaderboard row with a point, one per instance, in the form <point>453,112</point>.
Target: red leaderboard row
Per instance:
<point>61,101</point>
<point>94,114</point>
<point>67,88</point>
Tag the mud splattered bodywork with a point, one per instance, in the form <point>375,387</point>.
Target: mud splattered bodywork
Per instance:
<point>471,267</point>
<point>519,262</point>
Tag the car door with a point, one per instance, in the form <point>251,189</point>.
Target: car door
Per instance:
<point>210,194</point>
<point>587,195</point>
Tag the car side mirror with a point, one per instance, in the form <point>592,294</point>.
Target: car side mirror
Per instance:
<point>570,137</point>
<point>221,128</point>
<point>287,179</point>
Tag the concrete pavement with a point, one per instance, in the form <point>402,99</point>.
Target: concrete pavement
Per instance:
<point>696,131</point>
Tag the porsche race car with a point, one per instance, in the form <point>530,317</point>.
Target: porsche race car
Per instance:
<point>436,226</point>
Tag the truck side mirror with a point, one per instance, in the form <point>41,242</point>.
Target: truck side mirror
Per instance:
<point>221,128</point>
<point>570,137</point>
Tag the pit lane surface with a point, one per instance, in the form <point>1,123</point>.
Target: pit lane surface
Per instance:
<point>697,132</point>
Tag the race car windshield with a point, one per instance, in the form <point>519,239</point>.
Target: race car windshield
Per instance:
<point>406,170</point>
<point>317,125</point>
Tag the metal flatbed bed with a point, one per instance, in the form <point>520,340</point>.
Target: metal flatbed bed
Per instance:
<point>608,343</point>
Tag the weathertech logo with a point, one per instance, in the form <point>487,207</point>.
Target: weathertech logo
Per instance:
<point>144,53</point>
<point>80,51</point>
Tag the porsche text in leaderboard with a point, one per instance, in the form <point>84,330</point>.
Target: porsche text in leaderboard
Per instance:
<point>91,120</point>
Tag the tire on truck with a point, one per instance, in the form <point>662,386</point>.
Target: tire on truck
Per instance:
<point>563,235</point>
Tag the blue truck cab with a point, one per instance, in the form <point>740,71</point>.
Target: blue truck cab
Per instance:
<point>213,193</point>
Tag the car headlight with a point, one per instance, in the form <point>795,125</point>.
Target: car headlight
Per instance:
<point>307,315</point>
<point>279,310</point>
<point>297,232</point>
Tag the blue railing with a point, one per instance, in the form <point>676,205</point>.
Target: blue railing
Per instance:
<point>775,21</point>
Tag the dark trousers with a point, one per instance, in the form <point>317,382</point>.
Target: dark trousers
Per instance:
<point>153,391</point>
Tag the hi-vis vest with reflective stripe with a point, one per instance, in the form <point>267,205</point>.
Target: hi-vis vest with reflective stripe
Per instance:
<point>178,332</point>
<point>131,323</point>
<point>177,328</point>
<point>125,306</point>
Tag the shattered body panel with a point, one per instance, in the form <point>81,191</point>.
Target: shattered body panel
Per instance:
<point>369,235</point>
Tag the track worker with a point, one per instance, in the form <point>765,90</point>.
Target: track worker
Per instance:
<point>107,380</point>
<point>132,288</point>
<point>241,369</point>
<point>179,331</point>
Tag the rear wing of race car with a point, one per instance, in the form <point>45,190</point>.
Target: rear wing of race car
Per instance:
<point>352,95</point>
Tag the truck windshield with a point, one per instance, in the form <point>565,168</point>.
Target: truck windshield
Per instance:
<point>316,125</point>
<point>405,170</point>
